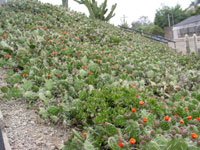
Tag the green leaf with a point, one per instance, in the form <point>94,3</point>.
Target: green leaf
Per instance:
<point>14,79</point>
<point>49,84</point>
<point>4,89</point>
<point>177,144</point>
<point>152,146</point>
<point>27,85</point>
<point>4,45</point>
<point>43,113</point>
<point>88,144</point>
<point>15,93</point>
<point>53,110</point>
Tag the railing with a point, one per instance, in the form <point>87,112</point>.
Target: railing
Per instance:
<point>150,36</point>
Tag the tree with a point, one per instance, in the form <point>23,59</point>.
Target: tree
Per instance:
<point>194,8</point>
<point>65,3</point>
<point>98,12</point>
<point>153,29</point>
<point>161,17</point>
<point>142,21</point>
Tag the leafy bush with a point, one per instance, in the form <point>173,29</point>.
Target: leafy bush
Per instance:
<point>131,94</point>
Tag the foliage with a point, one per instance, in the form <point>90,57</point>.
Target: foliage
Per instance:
<point>153,29</point>
<point>142,21</point>
<point>161,17</point>
<point>110,85</point>
<point>194,8</point>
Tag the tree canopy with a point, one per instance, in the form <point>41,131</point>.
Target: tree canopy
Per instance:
<point>142,21</point>
<point>161,17</point>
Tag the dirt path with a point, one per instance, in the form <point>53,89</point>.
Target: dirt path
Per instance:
<point>25,130</point>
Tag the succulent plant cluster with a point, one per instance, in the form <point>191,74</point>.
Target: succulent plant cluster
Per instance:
<point>119,90</point>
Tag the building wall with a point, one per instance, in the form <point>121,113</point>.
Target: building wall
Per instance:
<point>190,29</point>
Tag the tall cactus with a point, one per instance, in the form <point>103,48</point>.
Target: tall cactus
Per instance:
<point>65,3</point>
<point>96,11</point>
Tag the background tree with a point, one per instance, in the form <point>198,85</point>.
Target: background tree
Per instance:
<point>142,21</point>
<point>161,17</point>
<point>98,12</point>
<point>144,24</point>
<point>65,3</point>
<point>194,8</point>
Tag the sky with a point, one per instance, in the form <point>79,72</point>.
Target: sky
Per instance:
<point>131,9</point>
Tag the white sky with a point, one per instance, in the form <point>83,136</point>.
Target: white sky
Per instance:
<point>132,9</point>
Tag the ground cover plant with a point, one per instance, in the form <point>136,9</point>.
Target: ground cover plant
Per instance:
<point>119,90</point>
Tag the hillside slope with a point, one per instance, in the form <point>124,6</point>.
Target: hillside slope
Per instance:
<point>114,86</point>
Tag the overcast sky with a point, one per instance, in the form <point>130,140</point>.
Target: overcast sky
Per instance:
<point>132,9</point>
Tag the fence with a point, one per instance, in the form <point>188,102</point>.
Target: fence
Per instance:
<point>188,44</point>
<point>151,36</point>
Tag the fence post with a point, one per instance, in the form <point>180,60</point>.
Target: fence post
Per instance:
<point>142,32</point>
<point>187,44</point>
<point>175,47</point>
<point>195,44</point>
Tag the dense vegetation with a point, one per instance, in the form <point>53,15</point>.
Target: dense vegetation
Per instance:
<point>176,14</point>
<point>120,91</point>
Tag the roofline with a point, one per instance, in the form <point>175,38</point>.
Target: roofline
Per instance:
<point>176,25</point>
<point>185,24</point>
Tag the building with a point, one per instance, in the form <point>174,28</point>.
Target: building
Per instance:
<point>188,26</point>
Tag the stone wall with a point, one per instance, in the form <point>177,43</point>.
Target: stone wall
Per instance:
<point>168,33</point>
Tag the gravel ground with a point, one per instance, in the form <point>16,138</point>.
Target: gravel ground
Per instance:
<point>25,130</point>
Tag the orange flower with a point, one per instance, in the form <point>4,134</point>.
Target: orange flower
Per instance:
<point>181,121</point>
<point>132,141</point>
<point>25,74</point>
<point>141,103</point>
<point>137,96</point>
<point>99,61</point>
<point>50,42</point>
<point>150,111</point>
<point>65,33</point>
<point>145,120</point>
<point>185,108</point>
<point>120,144</point>
<point>9,56</point>
<point>133,110</point>
<point>176,114</point>
<point>45,28</point>
<point>166,118</point>
<point>84,134</point>
<point>48,75</point>
<point>90,73</point>
<point>198,118</point>
<point>85,67</point>
<point>54,53</point>
<point>194,136</point>
<point>189,117</point>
